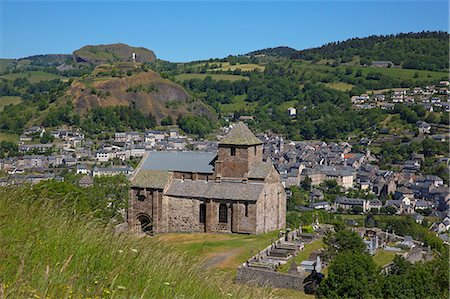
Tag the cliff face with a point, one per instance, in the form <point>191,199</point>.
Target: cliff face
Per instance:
<point>145,90</point>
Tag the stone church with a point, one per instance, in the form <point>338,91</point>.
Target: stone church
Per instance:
<point>231,191</point>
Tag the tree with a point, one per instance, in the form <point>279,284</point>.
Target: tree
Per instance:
<point>370,220</point>
<point>167,121</point>
<point>47,137</point>
<point>306,183</point>
<point>357,209</point>
<point>391,210</point>
<point>343,240</point>
<point>406,280</point>
<point>352,274</point>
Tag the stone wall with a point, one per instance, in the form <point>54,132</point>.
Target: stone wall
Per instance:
<point>140,202</point>
<point>238,165</point>
<point>271,211</point>
<point>184,215</point>
<point>213,217</point>
<point>243,223</point>
<point>262,277</point>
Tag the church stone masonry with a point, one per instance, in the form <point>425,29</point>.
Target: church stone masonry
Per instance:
<point>232,191</point>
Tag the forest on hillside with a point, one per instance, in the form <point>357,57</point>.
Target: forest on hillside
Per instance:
<point>423,50</point>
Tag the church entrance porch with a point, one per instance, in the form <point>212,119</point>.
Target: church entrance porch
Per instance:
<point>145,223</point>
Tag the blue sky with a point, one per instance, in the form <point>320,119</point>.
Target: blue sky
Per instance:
<point>186,30</point>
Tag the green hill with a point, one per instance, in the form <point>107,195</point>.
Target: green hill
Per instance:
<point>49,251</point>
<point>126,84</point>
<point>277,51</point>
<point>423,50</point>
<point>112,53</point>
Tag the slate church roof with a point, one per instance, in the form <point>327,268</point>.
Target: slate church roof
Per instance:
<point>155,179</point>
<point>180,161</point>
<point>240,134</point>
<point>214,190</point>
<point>259,170</point>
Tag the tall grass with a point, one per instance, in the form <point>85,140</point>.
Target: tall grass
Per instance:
<point>50,251</point>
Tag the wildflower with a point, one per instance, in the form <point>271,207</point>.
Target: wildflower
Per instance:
<point>134,250</point>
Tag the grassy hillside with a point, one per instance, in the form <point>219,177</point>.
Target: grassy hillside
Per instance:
<point>33,76</point>
<point>183,77</point>
<point>245,67</point>
<point>59,254</point>
<point>8,100</point>
<point>5,64</point>
<point>112,53</point>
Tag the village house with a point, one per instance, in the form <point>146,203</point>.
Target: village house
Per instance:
<point>423,127</point>
<point>382,64</point>
<point>82,169</point>
<point>231,190</point>
<point>346,204</point>
<point>292,111</point>
<point>111,171</point>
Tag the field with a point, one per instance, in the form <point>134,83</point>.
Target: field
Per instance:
<point>341,86</point>
<point>58,254</point>
<point>183,77</point>
<point>4,63</point>
<point>223,253</point>
<point>243,67</point>
<point>9,137</point>
<point>239,104</point>
<point>8,100</point>
<point>382,257</point>
<point>395,125</point>
<point>406,73</point>
<point>33,76</point>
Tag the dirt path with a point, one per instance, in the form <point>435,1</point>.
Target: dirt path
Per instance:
<point>218,259</point>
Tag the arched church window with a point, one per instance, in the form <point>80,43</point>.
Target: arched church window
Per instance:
<point>223,213</point>
<point>202,213</point>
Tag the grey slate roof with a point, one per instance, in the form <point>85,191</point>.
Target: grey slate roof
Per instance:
<point>240,134</point>
<point>349,201</point>
<point>213,190</point>
<point>156,179</point>
<point>259,170</point>
<point>180,161</point>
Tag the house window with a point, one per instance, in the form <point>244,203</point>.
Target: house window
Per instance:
<point>246,209</point>
<point>223,213</point>
<point>233,151</point>
<point>202,213</point>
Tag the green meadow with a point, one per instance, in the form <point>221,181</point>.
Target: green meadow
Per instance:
<point>33,76</point>
<point>50,251</point>
<point>184,77</point>
<point>8,100</point>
